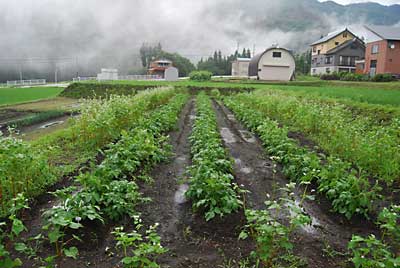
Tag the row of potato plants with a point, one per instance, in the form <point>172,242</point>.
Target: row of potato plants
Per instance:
<point>211,186</point>
<point>30,168</point>
<point>110,191</point>
<point>349,190</point>
<point>353,195</point>
<point>372,148</point>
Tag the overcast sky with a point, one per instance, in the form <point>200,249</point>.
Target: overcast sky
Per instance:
<point>383,2</point>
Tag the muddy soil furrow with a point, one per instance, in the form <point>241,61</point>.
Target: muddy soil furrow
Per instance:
<point>256,172</point>
<point>191,241</point>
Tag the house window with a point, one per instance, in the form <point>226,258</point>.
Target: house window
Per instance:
<point>314,71</point>
<point>277,54</point>
<point>344,60</point>
<point>345,34</point>
<point>375,49</point>
<point>319,52</point>
<point>314,49</point>
<point>337,43</point>
<point>391,45</point>
<point>328,60</point>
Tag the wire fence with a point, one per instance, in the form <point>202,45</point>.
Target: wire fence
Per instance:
<point>120,77</point>
<point>32,82</point>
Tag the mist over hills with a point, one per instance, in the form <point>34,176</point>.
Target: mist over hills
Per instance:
<point>83,36</point>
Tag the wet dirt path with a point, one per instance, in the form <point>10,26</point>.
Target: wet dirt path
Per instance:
<point>258,174</point>
<point>191,241</point>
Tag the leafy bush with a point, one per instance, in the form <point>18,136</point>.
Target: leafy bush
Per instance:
<point>383,78</point>
<point>331,76</point>
<point>354,77</point>
<point>200,76</point>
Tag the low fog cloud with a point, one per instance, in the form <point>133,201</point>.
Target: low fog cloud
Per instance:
<point>95,33</point>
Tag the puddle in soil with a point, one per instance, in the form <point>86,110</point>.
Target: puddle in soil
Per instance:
<point>227,135</point>
<point>244,169</point>
<point>231,117</point>
<point>179,197</point>
<point>180,159</point>
<point>247,136</point>
<point>51,124</point>
<point>310,228</point>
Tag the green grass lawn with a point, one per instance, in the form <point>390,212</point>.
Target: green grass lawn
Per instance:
<point>19,95</point>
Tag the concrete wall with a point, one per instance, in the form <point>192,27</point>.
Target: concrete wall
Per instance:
<point>279,69</point>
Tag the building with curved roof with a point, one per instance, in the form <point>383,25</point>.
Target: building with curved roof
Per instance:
<point>274,64</point>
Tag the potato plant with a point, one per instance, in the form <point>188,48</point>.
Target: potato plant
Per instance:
<point>110,192</point>
<point>211,186</point>
<point>370,146</point>
<point>30,169</point>
<point>349,190</point>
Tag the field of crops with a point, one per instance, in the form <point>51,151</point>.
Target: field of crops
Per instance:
<point>207,175</point>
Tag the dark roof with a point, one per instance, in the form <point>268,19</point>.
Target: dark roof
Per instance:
<point>330,36</point>
<point>253,67</point>
<point>385,32</point>
<point>346,44</point>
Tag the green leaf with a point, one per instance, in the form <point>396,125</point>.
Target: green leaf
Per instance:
<point>243,235</point>
<point>20,247</point>
<point>71,252</point>
<point>17,227</point>
<point>54,236</point>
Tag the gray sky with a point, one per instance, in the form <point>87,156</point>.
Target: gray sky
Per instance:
<point>383,2</point>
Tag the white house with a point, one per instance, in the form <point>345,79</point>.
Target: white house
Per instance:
<point>274,64</point>
<point>240,67</point>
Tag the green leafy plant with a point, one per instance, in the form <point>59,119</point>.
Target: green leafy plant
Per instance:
<point>140,251</point>
<point>18,204</point>
<point>368,252</point>
<point>74,208</point>
<point>272,236</point>
<point>349,189</point>
<point>211,184</point>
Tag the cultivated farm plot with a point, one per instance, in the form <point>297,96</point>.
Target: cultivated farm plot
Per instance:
<point>172,177</point>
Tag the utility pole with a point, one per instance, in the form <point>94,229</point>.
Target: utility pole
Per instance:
<point>76,65</point>
<point>20,71</point>
<point>55,74</point>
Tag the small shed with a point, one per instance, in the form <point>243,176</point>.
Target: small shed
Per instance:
<point>274,64</point>
<point>240,67</point>
<point>107,74</point>
<point>171,74</point>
